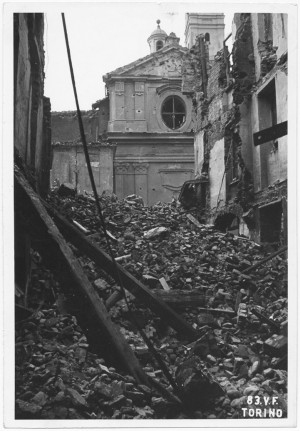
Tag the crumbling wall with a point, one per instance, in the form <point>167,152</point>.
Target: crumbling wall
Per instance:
<point>220,117</point>
<point>243,69</point>
<point>230,112</point>
<point>32,133</point>
<point>69,166</point>
<point>102,110</point>
<point>65,128</point>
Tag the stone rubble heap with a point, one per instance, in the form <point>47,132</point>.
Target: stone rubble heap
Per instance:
<point>166,249</point>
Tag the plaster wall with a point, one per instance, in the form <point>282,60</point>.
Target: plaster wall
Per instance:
<point>155,171</point>
<point>245,132</point>
<point>197,23</point>
<point>140,111</point>
<point>31,120</point>
<point>280,32</point>
<point>69,166</point>
<point>256,24</point>
<point>198,152</point>
<point>23,92</point>
<point>269,164</point>
<point>216,171</point>
<point>282,114</point>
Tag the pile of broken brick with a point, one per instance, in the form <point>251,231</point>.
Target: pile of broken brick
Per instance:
<point>203,274</point>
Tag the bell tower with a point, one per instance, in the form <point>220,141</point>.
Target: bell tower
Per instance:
<point>210,25</point>
<point>157,38</point>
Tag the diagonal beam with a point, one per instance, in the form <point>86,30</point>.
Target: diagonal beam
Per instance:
<point>270,134</point>
<point>134,286</point>
<point>60,257</point>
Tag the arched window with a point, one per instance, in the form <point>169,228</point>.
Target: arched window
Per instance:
<point>159,45</point>
<point>207,37</point>
<point>173,112</point>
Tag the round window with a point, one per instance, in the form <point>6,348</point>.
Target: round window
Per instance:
<point>173,112</point>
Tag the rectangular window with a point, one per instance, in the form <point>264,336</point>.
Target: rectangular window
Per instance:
<point>271,223</point>
<point>267,114</point>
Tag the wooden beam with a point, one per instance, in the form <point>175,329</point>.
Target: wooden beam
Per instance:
<point>134,286</point>
<point>270,134</point>
<point>59,255</point>
<point>180,298</point>
<point>275,326</point>
<point>266,259</point>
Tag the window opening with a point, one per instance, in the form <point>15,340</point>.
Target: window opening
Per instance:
<point>267,118</point>
<point>271,223</point>
<point>173,112</point>
<point>159,45</point>
<point>207,37</point>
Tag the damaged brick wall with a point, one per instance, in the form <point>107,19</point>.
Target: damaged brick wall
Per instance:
<point>243,69</point>
<point>267,51</point>
<point>225,116</point>
<point>219,118</point>
<point>32,136</point>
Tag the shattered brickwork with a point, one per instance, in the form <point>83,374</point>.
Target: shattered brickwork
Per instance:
<point>217,77</point>
<point>226,113</point>
<point>265,45</point>
<point>243,69</point>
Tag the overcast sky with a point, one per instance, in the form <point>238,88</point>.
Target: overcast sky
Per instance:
<point>102,37</point>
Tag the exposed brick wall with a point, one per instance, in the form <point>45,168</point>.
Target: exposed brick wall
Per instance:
<point>217,77</point>
<point>243,70</point>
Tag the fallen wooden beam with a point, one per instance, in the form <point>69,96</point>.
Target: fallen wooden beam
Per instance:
<point>266,259</point>
<point>193,220</point>
<point>115,297</point>
<point>274,325</point>
<point>134,286</point>
<point>164,284</point>
<point>179,298</point>
<point>217,310</point>
<point>60,257</point>
<point>82,228</point>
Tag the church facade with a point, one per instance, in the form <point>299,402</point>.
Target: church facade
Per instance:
<point>150,121</point>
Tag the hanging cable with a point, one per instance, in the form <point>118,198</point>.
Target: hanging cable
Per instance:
<point>102,221</point>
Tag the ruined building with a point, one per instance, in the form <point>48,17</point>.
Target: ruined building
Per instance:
<point>240,144</point>
<point>68,160</point>
<point>150,121</point>
<point>32,119</point>
<point>32,124</point>
<point>141,135</point>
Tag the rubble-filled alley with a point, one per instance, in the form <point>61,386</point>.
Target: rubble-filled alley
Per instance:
<point>151,276</point>
<point>237,308</point>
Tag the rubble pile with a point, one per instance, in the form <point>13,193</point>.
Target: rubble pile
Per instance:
<point>162,242</point>
<point>242,346</point>
<point>58,377</point>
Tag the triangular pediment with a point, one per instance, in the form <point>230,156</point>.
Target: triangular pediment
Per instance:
<point>166,62</point>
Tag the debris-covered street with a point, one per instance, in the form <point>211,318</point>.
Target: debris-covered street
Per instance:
<point>151,219</point>
<point>240,316</point>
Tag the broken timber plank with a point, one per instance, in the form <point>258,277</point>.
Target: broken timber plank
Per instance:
<point>134,286</point>
<point>82,228</point>
<point>180,298</point>
<point>164,284</point>
<point>274,325</point>
<point>217,310</point>
<point>63,260</point>
<point>195,221</point>
<point>270,134</point>
<point>266,259</point>
<point>115,297</point>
